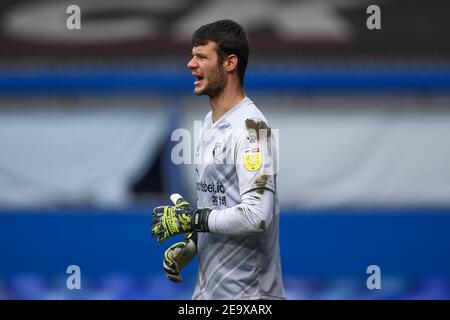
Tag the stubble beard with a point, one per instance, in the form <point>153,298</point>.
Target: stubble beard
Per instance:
<point>216,83</point>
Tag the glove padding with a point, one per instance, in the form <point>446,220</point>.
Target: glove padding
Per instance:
<point>180,218</point>
<point>177,256</point>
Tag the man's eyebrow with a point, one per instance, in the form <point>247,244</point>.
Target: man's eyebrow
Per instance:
<point>199,54</point>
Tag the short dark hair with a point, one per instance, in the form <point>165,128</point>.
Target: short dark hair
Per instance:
<point>230,38</point>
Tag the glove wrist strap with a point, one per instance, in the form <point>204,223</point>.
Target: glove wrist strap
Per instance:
<point>200,220</point>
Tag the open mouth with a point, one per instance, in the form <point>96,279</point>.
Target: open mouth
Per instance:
<point>198,80</point>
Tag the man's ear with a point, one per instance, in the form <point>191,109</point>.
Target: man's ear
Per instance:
<point>231,63</point>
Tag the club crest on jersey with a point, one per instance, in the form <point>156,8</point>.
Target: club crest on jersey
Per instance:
<point>252,158</point>
<point>217,151</point>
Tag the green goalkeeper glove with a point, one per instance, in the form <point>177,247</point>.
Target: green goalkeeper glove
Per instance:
<point>180,218</point>
<point>177,257</point>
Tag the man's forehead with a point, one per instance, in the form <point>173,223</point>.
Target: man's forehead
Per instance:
<point>208,47</point>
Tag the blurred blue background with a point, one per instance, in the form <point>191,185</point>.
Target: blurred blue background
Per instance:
<point>86,118</point>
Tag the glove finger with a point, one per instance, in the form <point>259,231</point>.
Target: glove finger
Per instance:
<point>156,222</point>
<point>159,226</point>
<point>162,237</point>
<point>155,231</point>
<point>174,278</point>
<point>171,273</point>
<point>157,216</point>
<point>183,203</point>
<point>173,248</point>
<point>158,230</point>
<point>160,234</point>
<point>171,254</point>
<point>170,268</point>
<point>159,211</point>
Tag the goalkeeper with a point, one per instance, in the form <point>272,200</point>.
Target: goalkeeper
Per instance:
<point>234,228</point>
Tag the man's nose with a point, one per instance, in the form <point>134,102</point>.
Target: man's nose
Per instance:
<point>192,63</point>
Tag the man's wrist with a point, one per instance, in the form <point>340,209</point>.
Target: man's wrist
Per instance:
<point>200,219</point>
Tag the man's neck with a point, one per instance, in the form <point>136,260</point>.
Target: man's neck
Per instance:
<point>225,101</point>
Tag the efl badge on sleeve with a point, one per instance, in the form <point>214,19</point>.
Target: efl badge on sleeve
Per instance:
<point>252,158</point>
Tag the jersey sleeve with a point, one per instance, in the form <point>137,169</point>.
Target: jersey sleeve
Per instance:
<point>254,214</point>
<point>256,158</point>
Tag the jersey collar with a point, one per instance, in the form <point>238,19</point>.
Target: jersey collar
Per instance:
<point>222,119</point>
